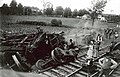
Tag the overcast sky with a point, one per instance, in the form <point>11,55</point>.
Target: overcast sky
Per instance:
<point>112,7</point>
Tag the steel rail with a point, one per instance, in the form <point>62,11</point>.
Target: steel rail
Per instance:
<point>74,72</point>
<point>114,69</point>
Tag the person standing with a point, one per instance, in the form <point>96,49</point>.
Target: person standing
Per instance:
<point>107,33</point>
<point>71,45</point>
<point>98,42</point>
<point>99,38</point>
<point>116,35</point>
<point>107,63</point>
<point>90,53</point>
<point>96,51</point>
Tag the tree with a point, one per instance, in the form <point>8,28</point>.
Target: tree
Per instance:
<point>20,9</point>
<point>59,10</point>
<point>4,5</point>
<point>82,12</point>
<point>97,8</point>
<point>13,3</point>
<point>75,13</point>
<point>40,12</point>
<point>27,10</point>
<point>5,9</point>
<point>49,11</point>
<point>47,8</point>
<point>13,7</point>
<point>98,5</point>
<point>67,12</point>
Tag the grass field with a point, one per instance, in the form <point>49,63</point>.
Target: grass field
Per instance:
<point>81,27</point>
<point>13,19</point>
<point>28,28</point>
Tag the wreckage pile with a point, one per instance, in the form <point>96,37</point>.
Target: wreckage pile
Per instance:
<point>44,51</point>
<point>22,51</point>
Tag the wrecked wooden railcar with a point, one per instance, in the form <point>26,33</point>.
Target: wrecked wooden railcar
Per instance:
<point>29,47</point>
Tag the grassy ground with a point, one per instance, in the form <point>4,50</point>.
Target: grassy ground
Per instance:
<point>13,19</point>
<point>82,27</point>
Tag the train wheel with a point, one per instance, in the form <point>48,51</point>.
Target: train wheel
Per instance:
<point>40,63</point>
<point>15,63</point>
<point>56,55</point>
<point>60,56</point>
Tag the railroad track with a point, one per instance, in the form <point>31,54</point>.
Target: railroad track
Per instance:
<point>115,72</point>
<point>75,69</point>
<point>67,70</point>
<point>72,69</point>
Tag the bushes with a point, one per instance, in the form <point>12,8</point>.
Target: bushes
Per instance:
<point>55,22</point>
<point>32,23</point>
<point>59,22</point>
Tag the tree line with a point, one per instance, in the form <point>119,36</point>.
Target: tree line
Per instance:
<point>19,9</point>
<point>12,9</point>
<point>16,9</point>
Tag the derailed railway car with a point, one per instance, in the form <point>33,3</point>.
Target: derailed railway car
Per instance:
<point>21,55</point>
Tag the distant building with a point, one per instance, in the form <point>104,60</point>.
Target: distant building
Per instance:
<point>35,10</point>
<point>112,18</point>
<point>101,18</point>
<point>30,10</point>
<point>86,16</point>
<point>79,17</point>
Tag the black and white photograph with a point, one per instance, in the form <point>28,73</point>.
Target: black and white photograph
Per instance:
<point>59,38</point>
